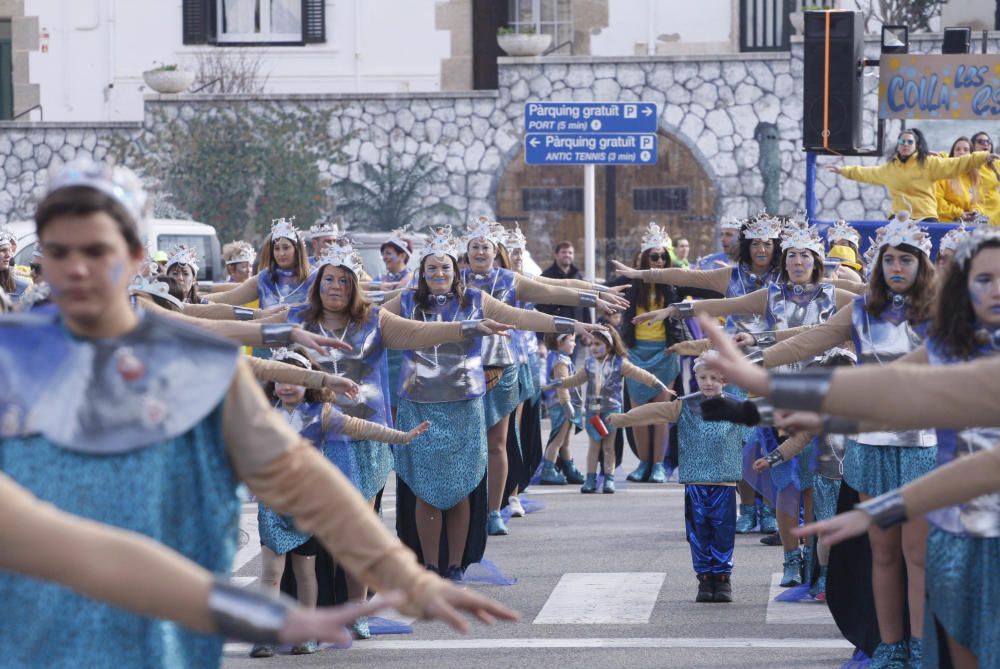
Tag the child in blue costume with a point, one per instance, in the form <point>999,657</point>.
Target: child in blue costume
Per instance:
<point>147,424</point>
<point>710,462</point>
<point>604,374</point>
<point>564,414</point>
<point>311,414</point>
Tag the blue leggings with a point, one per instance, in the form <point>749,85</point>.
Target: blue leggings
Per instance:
<point>710,519</point>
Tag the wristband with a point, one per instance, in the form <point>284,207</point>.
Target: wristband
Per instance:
<point>684,309</point>
<point>756,357</point>
<point>276,334</point>
<point>587,299</point>
<point>564,325</point>
<point>802,392</point>
<point>247,614</point>
<point>839,425</point>
<point>765,338</point>
<point>470,329</point>
<point>600,288</point>
<point>244,313</point>
<point>886,510</point>
<point>774,458</point>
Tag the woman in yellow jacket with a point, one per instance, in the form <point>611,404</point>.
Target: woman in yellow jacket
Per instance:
<point>958,198</point>
<point>989,180</point>
<point>910,174</point>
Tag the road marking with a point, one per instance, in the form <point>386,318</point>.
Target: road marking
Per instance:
<point>630,490</point>
<point>805,612</point>
<point>542,643</point>
<point>624,598</point>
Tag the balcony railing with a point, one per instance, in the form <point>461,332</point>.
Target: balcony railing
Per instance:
<point>765,26</point>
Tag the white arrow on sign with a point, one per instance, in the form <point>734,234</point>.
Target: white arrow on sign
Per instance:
<point>533,141</point>
<point>646,111</point>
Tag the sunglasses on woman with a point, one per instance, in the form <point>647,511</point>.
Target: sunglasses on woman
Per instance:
<point>654,257</point>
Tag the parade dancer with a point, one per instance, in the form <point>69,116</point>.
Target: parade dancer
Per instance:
<point>565,416</point>
<point>312,415</point>
<point>11,282</point>
<point>947,246</point>
<point>604,373</point>
<point>239,257</point>
<point>182,267</point>
<point>123,382</point>
<point>321,236</point>
<point>710,461</point>
<point>441,476</point>
<point>729,240</point>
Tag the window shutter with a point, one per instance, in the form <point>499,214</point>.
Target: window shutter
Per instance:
<point>198,19</point>
<point>313,21</point>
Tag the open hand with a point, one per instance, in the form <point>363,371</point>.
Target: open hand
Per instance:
<point>744,339</point>
<point>692,347</point>
<point>447,600</point>
<point>842,526</point>
<point>624,270</point>
<point>417,431</point>
<point>586,328</point>
<point>761,465</point>
<point>729,361</point>
<point>656,315</point>
<point>488,326</point>
<point>318,343</point>
<point>836,169</point>
<point>329,624</point>
<point>341,385</point>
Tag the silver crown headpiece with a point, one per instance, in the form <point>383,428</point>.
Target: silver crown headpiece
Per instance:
<point>242,252</point>
<point>284,228</point>
<point>440,244</point>
<point>285,354</point>
<point>762,227</point>
<point>902,230</point>
<point>976,238</point>
<point>325,229</point>
<point>342,256</point>
<point>802,237</point>
<point>655,237</point>
<point>183,255</point>
<point>841,230</point>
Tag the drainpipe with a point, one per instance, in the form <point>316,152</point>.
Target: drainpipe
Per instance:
<point>357,46</point>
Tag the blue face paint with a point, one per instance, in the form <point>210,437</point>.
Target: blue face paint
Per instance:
<point>117,270</point>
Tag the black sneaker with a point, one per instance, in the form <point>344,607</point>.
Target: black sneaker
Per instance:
<point>771,539</point>
<point>453,573</point>
<point>723,588</point>
<point>706,588</point>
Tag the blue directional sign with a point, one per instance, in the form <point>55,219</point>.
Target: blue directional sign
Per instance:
<point>598,149</point>
<point>595,133</point>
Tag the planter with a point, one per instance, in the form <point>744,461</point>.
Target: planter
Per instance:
<point>168,81</point>
<point>521,44</point>
<point>798,21</point>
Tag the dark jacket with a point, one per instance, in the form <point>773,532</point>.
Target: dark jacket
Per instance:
<point>576,313</point>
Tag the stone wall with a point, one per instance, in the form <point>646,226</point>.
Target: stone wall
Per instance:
<point>740,115</point>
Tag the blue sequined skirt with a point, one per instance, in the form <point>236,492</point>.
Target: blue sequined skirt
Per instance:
<point>825,493</point>
<point>557,415</point>
<point>395,360</point>
<point>653,357</point>
<point>963,587</point>
<point>526,383</point>
<point>366,463</point>
<point>446,463</point>
<point>796,472</point>
<point>501,400</point>
<point>277,531</point>
<point>875,470</point>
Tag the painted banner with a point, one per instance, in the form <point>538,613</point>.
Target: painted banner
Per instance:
<point>954,86</point>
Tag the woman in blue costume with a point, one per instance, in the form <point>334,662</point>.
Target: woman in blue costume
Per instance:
<point>441,477</point>
<point>757,267</point>
<point>565,414</point>
<point>887,323</point>
<point>799,298</point>
<point>311,414</point>
<point>337,308</point>
<point>395,255</point>
<point>498,359</point>
<point>122,381</point>
<point>10,282</point>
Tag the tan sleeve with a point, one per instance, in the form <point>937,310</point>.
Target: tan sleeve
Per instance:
<point>392,305</point>
<point>843,297</point>
<point>959,481</point>
<point>577,284</point>
<point>639,374</point>
<point>917,356</point>
<point>648,414</point>
<point>577,379</point>
<point>795,444</point>
<point>223,287</point>
<point>221,312</point>
<point>281,372</point>
<point>105,563</point>
<point>402,333</point>
<point>245,292</point>
<point>858,288</point>
<point>520,319</point>
<point>292,477</point>
<point>911,396</point>
<point>716,280</point>
<point>812,341</point>
<point>246,333</point>
<point>358,428</point>
<point>529,290</point>
<point>751,303</point>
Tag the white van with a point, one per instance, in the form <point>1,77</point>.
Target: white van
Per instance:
<point>163,234</point>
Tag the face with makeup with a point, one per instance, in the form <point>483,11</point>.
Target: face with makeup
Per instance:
<point>799,264</point>
<point>944,257</point>
<point>761,254</point>
<point>184,276</point>
<point>517,259</point>
<point>709,383</point>
<point>283,251</point>
<point>899,269</point>
<point>88,265</point>
<point>239,271</point>
<point>439,272</point>
<point>393,260</point>
<point>6,253</point>
<point>482,252</point>
<point>291,396</point>
<point>335,288</point>
<point>984,287</point>
<point>567,344</point>
<point>599,347</point>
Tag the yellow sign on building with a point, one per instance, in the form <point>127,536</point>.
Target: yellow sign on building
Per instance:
<point>943,87</point>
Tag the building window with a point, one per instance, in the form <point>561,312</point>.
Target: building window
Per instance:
<point>6,71</point>
<point>552,17</point>
<point>660,199</point>
<point>260,20</point>
<point>552,199</point>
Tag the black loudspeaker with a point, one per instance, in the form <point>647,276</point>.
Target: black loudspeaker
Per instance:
<point>832,96</point>
<point>956,40</point>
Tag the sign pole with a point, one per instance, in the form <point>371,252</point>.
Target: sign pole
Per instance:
<point>589,217</point>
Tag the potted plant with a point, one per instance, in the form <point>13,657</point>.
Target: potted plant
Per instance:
<point>524,43</point>
<point>168,78</point>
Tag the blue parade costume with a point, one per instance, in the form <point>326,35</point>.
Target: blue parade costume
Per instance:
<point>963,550</point>
<point>114,430</point>
<point>280,286</point>
<point>557,415</point>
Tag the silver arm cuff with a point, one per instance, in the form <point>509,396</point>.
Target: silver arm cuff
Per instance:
<point>800,392</point>
<point>598,287</point>
<point>587,299</point>
<point>376,296</point>
<point>756,358</point>
<point>766,412</point>
<point>886,510</point>
<point>244,313</point>
<point>276,334</point>
<point>470,329</point>
<point>839,425</point>
<point>247,614</point>
<point>684,309</point>
<point>765,338</point>
<point>564,325</point>
<point>774,458</point>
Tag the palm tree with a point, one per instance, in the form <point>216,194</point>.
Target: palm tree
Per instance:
<point>389,197</point>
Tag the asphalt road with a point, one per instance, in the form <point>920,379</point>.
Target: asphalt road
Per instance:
<point>602,581</point>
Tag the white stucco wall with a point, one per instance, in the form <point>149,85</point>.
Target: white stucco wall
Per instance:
<point>672,25</point>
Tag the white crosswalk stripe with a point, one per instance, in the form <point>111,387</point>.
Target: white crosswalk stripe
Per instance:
<point>596,598</point>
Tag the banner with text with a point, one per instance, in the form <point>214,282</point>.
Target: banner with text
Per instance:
<point>953,86</point>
